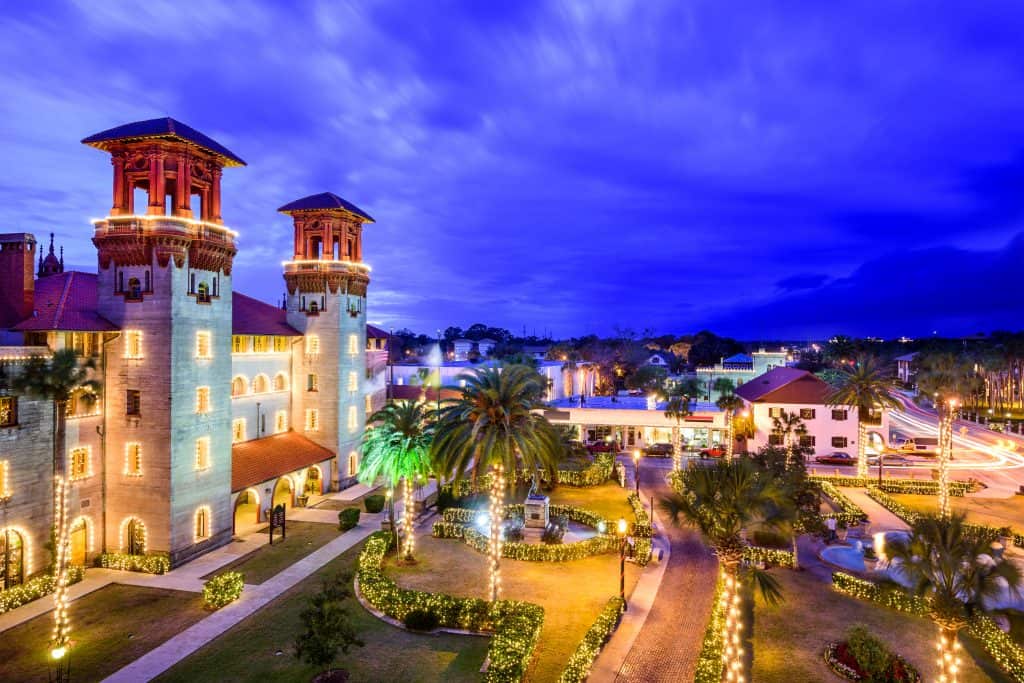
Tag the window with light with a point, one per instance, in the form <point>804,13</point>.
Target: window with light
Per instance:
<point>353,418</point>
<point>353,382</point>
<point>81,462</point>
<point>203,453</point>
<point>312,419</point>
<point>312,344</point>
<point>202,400</point>
<point>353,344</point>
<point>133,459</point>
<point>204,346</point>
<point>238,430</point>
<point>281,421</point>
<point>133,344</point>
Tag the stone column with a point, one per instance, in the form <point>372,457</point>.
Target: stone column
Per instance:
<point>182,194</point>
<point>157,184</point>
<point>118,208</point>
<point>299,253</point>
<point>214,194</point>
<point>327,250</point>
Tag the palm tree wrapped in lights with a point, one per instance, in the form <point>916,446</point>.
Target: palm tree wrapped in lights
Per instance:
<point>493,428</point>
<point>678,408</point>
<point>956,573</point>
<point>59,379</point>
<point>723,502</point>
<point>789,425</point>
<point>728,402</point>
<point>867,387</point>
<point>397,448</point>
<point>942,378</point>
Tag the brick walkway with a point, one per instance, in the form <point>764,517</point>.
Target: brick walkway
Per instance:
<point>670,640</point>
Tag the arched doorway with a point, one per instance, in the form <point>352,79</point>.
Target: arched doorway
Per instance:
<point>12,559</point>
<point>284,492</point>
<point>314,481</point>
<point>133,538</point>
<point>876,444</point>
<point>79,541</point>
<point>247,510</point>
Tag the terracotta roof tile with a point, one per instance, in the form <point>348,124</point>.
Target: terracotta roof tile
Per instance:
<point>66,301</point>
<point>263,459</point>
<point>252,316</point>
<point>785,385</point>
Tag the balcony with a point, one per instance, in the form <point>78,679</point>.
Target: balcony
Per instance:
<point>325,266</point>
<point>141,226</point>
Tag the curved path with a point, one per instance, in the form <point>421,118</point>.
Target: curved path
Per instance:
<point>669,643</point>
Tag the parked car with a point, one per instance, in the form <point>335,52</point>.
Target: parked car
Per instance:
<point>920,445</point>
<point>715,451</point>
<point>600,447</point>
<point>837,458</point>
<point>890,460</point>
<point>659,449</point>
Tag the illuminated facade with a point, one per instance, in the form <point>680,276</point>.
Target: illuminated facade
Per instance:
<point>200,423</point>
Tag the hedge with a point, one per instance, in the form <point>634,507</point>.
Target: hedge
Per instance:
<point>920,486</point>
<point>348,519</point>
<point>709,662</point>
<point>157,563</point>
<point>755,554</point>
<point>532,552</point>
<point>515,624</point>
<point>982,531</point>
<point>578,667</point>
<point>849,512</point>
<point>1007,654</point>
<point>642,528</point>
<point>222,589</point>
<point>597,473</point>
<point>36,588</point>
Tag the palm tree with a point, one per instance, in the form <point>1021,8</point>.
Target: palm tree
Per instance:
<point>730,403</point>
<point>956,573</point>
<point>493,428</point>
<point>723,502</point>
<point>867,387</point>
<point>397,447</point>
<point>942,378</point>
<point>58,379</point>
<point>788,425</point>
<point>678,408</point>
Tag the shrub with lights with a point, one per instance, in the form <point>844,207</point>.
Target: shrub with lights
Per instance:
<point>849,513</point>
<point>642,528</point>
<point>156,563</point>
<point>916,486</point>
<point>577,669</point>
<point>982,531</point>
<point>34,589</point>
<point>222,589</point>
<point>597,473</point>
<point>768,557</point>
<point>515,624</point>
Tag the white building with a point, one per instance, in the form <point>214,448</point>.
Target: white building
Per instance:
<point>563,382</point>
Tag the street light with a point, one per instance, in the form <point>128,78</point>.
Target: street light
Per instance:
<point>636,470</point>
<point>622,560</point>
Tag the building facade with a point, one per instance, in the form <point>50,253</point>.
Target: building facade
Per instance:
<point>214,405</point>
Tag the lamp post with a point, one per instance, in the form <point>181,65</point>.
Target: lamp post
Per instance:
<point>623,539</point>
<point>636,470</point>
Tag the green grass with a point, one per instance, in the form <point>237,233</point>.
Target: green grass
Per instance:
<point>110,628</point>
<point>788,639</point>
<point>571,593</point>
<point>997,512</point>
<point>249,651</point>
<point>303,538</point>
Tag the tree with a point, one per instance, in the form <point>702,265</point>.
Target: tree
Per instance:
<point>677,408</point>
<point>59,379</point>
<point>955,571</point>
<point>647,378</point>
<point>493,427</point>
<point>728,402</point>
<point>708,349</point>
<point>867,387</point>
<point>723,502</point>
<point>397,447</point>
<point>941,379</point>
<point>804,495</point>
<point>787,425</point>
<point>840,349</point>
<point>327,625</point>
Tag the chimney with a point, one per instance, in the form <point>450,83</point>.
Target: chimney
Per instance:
<point>17,284</point>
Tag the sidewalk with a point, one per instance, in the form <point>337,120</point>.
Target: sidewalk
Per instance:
<point>879,517</point>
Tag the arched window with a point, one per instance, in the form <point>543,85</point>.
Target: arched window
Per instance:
<point>134,288</point>
<point>260,385</point>
<point>134,537</point>
<point>12,559</point>
<point>239,386</point>
<point>202,523</point>
<point>280,382</point>
<point>203,293</point>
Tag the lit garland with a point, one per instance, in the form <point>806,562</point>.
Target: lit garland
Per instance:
<point>896,485</point>
<point>147,564</point>
<point>595,474</point>
<point>949,658</point>
<point>5,479</point>
<point>732,650</point>
<point>222,589</point>
<point>709,662</point>
<point>945,453</point>
<point>496,520</point>
<point>862,444</point>
<point>983,531</point>
<point>754,554</point>
<point>577,669</point>
<point>61,623</point>
<point>409,542</point>
<point>642,528</point>
<point>849,512</point>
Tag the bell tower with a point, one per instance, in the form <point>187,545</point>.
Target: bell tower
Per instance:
<point>164,278</point>
<point>326,300</point>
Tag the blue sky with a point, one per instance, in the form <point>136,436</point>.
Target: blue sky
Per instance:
<point>763,169</point>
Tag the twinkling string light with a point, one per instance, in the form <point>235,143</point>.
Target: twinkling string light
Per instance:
<point>949,657</point>
<point>732,652</point>
<point>409,542</point>
<point>61,623</point>
<point>497,516</point>
<point>945,452</point>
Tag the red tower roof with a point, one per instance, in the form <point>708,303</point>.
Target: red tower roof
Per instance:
<point>167,129</point>
<point>325,201</point>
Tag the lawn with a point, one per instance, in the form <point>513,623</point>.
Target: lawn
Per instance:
<point>110,628</point>
<point>607,500</point>
<point>260,647</point>
<point>303,538</point>
<point>571,593</point>
<point>788,639</point>
<point>336,504</point>
<point>997,512</point>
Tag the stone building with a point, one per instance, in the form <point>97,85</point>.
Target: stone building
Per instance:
<point>214,405</point>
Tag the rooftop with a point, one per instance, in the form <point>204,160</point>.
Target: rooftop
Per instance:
<point>252,316</point>
<point>66,301</point>
<point>626,403</point>
<point>259,460</point>
<point>785,385</point>
<point>167,129</point>
<point>325,201</point>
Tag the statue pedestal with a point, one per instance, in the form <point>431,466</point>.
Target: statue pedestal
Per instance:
<point>535,510</point>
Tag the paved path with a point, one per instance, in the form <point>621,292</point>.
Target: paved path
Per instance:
<point>879,517</point>
<point>669,642</point>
